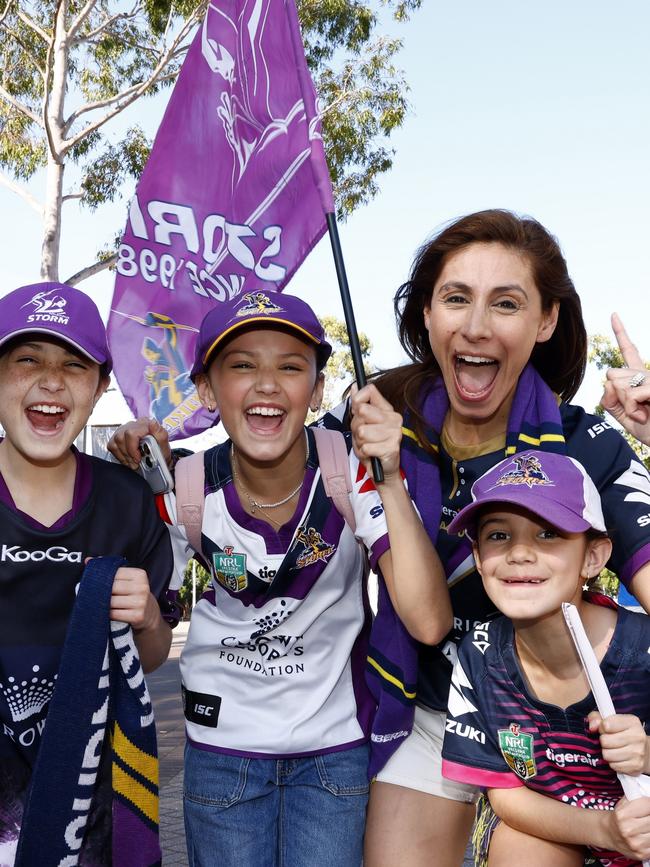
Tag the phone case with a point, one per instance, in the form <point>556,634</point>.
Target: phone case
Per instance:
<point>153,466</point>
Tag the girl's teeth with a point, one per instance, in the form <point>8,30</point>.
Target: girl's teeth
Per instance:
<point>264,410</point>
<point>48,410</point>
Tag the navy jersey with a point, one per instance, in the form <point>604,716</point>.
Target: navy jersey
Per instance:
<point>624,486</point>
<point>113,513</point>
<point>498,735</point>
<point>274,660</point>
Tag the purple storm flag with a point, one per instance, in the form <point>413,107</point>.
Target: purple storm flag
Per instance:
<point>232,199</point>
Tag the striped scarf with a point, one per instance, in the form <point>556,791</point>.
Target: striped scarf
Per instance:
<point>100,686</point>
<point>534,422</point>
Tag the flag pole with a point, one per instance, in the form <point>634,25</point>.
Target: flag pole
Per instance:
<point>348,312</point>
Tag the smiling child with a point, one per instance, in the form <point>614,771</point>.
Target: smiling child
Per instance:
<point>521,720</point>
<point>58,508</point>
<point>278,714</point>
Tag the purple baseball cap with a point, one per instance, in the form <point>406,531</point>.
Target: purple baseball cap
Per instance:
<point>270,309</point>
<point>554,487</point>
<point>57,310</point>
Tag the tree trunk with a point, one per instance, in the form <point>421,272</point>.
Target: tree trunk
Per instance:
<point>52,221</point>
<point>53,109</point>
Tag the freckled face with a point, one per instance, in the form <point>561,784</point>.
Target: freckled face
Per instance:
<point>263,383</point>
<point>47,393</point>
<point>528,567</point>
<point>484,319</point>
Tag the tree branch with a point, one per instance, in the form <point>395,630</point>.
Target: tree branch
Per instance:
<point>120,16</point>
<point>22,192</point>
<point>23,109</point>
<point>28,52</point>
<point>99,266</point>
<point>47,86</point>
<point>140,89</point>
<point>29,22</point>
<point>110,100</point>
<point>69,196</point>
<point>81,17</point>
<point>6,12</point>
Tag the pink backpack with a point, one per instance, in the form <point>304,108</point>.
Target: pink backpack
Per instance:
<point>335,471</point>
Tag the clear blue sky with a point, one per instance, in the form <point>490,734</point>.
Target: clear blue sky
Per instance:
<point>542,108</point>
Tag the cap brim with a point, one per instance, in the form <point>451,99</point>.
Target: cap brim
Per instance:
<point>200,366</point>
<point>51,332</point>
<point>557,516</point>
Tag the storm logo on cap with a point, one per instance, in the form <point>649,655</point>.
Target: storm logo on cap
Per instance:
<point>48,307</point>
<point>528,471</point>
<point>257,302</point>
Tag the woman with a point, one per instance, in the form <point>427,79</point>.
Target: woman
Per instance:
<point>493,325</point>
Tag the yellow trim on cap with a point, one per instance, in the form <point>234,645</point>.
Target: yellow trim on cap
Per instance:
<point>242,322</point>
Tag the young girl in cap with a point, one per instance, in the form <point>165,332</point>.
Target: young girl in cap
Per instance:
<point>521,720</point>
<point>278,712</point>
<point>59,508</point>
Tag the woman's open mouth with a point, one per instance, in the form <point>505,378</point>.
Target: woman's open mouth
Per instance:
<point>475,375</point>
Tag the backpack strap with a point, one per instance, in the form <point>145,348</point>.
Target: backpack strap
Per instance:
<point>335,471</point>
<point>190,496</point>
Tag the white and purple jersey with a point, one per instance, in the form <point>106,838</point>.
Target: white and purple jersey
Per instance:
<point>274,661</point>
<point>498,735</point>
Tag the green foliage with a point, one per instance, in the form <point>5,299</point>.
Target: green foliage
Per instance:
<point>104,177</point>
<point>607,582</point>
<point>185,593</point>
<point>339,371</point>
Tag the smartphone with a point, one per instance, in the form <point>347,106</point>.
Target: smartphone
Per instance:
<point>153,466</point>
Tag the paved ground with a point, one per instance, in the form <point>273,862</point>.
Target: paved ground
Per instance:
<point>165,689</point>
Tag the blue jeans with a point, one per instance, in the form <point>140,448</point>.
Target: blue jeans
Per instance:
<point>242,812</point>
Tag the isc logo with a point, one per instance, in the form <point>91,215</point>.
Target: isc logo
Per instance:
<point>204,709</point>
<point>201,708</point>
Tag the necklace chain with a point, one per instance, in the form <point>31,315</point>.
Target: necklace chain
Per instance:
<point>254,504</point>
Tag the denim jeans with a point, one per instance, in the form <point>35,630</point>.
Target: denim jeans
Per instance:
<point>246,812</point>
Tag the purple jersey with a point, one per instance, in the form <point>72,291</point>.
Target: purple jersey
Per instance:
<point>498,735</point>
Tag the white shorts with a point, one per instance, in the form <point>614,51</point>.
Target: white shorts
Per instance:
<point>417,763</point>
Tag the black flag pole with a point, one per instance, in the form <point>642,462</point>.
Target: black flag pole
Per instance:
<point>348,312</point>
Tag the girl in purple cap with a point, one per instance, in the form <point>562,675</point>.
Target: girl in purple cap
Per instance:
<point>492,323</point>
<point>522,722</point>
<point>278,713</point>
<point>60,507</point>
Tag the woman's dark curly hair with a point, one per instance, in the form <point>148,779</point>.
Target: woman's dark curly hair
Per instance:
<point>560,361</point>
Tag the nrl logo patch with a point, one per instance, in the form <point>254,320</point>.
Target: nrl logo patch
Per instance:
<point>230,569</point>
<point>256,303</point>
<point>528,471</point>
<point>315,547</point>
<point>517,749</point>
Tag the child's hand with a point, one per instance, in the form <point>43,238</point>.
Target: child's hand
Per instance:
<point>629,828</point>
<point>376,429</point>
<point>623,741</point>
<point>124,445</point>
<point>132,601</point>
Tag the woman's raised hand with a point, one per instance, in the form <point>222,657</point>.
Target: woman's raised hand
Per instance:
<point>627,390</point>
